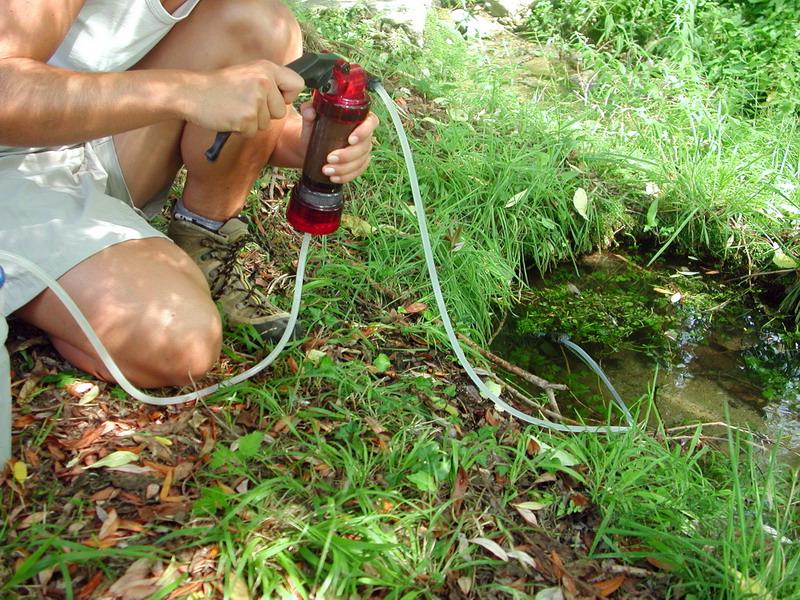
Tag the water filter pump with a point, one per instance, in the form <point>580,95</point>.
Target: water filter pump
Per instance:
<point>341,105</point>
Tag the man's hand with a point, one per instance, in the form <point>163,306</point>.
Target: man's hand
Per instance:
<point>344,164</point>
<point>243,98</point>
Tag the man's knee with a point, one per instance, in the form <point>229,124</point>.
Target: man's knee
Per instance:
<point>187,347</point>
<point>260,29</point>
<point>172,351</point>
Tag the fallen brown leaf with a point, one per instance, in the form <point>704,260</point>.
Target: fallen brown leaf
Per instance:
<point>660,564</point>
<point>460,490</point>
<point>90,436</point>
<point>23,421</point>
<point>166,486</point>
<point>415,308</point>
<point>609,586</point>
<point>104,494</point>
<point>110,525</point>
<point>87,590</point>
<point>33,519</point>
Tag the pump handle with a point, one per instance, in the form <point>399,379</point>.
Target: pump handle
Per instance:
<point>315,69</point>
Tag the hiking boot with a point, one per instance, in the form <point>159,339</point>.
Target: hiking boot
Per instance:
<point>218,256</point>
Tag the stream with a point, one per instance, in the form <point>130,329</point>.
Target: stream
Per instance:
<point>706,349</point>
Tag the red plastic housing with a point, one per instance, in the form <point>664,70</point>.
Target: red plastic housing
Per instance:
<point>316,203</point>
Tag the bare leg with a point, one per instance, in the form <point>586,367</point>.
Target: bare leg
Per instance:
<point>150,306</point>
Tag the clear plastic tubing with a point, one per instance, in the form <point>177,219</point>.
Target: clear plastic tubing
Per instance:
<point>115,370</point>
<point>437,291</point>
<point>563,339</point>
<point>5,395</point>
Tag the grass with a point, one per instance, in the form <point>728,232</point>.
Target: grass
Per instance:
<point>333,477</point>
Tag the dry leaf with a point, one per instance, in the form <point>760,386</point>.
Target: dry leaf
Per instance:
<point>32,519</point>
<point>492,547</point>
<point>465,585</point>
<point>88,590</point>
<point>110,525</point>
<point>552,593</point>
<point>105,494</point>
<point>523,557</point>
<point>90,436</point>
<point>527,515</point>
<point>609,586</point>
<point>239,589</point>
<point>660,564</point>
<point>376,427</point>
<point>460,490</point>
<point>415,307</point>
<point>165,487</point>
<point>136,584</point>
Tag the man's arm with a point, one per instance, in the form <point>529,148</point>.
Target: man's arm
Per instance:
<point>42,105</point>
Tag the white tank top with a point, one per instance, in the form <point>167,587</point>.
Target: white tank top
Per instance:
<point>113,35</point>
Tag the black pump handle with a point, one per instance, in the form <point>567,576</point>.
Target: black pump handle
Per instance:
<point>315,69</point>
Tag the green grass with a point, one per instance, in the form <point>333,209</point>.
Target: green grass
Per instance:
<point>331,478</point>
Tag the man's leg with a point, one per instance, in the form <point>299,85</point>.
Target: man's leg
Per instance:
<point>150,306</point>
<point>218,33</point>
<point>146,299</point>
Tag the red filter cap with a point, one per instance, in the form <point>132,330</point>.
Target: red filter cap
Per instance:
<point>348,86</point>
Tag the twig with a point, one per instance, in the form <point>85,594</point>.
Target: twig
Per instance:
<point>763,274</point>
<point>701,425</point>
<point>633,571</point>
<point>499,328</point>
<point>707,438</point>
<point>504,364</point>
<point>515,393</point>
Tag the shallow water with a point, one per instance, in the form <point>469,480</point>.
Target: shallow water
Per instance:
<point>717,364</point>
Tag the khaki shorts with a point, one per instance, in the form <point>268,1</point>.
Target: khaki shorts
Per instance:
<point>58,207</point>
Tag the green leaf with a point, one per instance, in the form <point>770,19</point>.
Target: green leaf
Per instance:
<point>424,481</point>
<point>562,456</point>
<point>652,213</point>
<point>115,459</point>
<point>382,363</point>
<point>249,444</point>
<point>493,387</point>
<point>783,260</point>
<point>580,200</point>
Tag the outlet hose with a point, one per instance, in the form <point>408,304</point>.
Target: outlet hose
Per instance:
<point>134,392</point>
<point>437,292</point>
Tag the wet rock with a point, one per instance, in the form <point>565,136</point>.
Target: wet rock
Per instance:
<point>410,14</point>
<point>506,8</point>
<point>474,26</point>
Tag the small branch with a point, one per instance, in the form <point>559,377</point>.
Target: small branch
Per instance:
<point>633,571</point>
<point>701,425</point>
<point>708,438</point>
<point>504,364</point>
<point>517,395</point>
<point>763,274</point>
